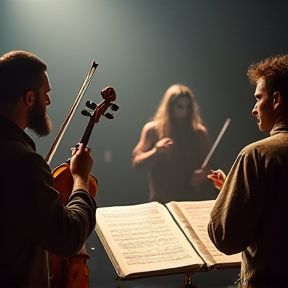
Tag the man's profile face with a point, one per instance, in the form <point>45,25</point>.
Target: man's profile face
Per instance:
<point>38,119</point>
<point>263,109</point>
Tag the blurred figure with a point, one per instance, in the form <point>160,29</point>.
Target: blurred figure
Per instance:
<point>33,219</point>
<point>172,148</point>
<point>251,211</point>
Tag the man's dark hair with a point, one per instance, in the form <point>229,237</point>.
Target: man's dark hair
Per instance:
<point>20,72</point>
<point>275,72</point>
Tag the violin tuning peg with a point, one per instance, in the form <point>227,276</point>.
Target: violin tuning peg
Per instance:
<point>92,105</point>
<point>86,113</point>
<point>109,115</point>
<point>114,107</point>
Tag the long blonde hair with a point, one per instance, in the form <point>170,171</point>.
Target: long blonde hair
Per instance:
<point>163,115</point>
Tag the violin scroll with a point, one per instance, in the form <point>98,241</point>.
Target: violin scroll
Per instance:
<point>110,93</point>
<point>97,110</point>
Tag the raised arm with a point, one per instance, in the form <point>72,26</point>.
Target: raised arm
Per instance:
<point>218,177</point>
<point>146,151</point>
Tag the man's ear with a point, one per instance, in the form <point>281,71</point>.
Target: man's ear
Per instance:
<point>277,100</point>
<point>29,98</point>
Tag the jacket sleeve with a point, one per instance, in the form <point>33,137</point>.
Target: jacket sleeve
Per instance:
<point>240,203</point>
<point>44,219</point>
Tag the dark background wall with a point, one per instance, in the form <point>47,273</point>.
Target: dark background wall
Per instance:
<point>143,47</point>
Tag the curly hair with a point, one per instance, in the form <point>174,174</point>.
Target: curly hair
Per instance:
<point>275,72</point>
<point>20,72</point>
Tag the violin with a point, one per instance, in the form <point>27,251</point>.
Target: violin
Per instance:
<point>63,179</point>
<point>72,271</point>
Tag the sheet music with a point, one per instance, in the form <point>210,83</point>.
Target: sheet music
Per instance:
<point>197,215</point>
<point>145,235</point>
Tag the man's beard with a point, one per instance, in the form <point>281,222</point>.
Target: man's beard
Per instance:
<point>38,119</point>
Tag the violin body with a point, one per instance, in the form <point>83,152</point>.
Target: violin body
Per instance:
<point>78,272</point>
<point>63,182</point>
<point>72,271</point>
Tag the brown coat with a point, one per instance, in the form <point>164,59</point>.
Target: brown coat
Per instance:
<point>251,211</point>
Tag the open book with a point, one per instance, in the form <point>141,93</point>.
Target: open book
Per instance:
<point>153,239</point>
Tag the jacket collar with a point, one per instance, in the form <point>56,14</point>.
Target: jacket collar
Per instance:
<point>280,127</point>
<point>7,127</point>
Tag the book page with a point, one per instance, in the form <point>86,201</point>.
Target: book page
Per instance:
<point>193,217</point>
<point>143,238</point>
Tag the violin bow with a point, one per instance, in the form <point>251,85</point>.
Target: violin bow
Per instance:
<point>70,114</point>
